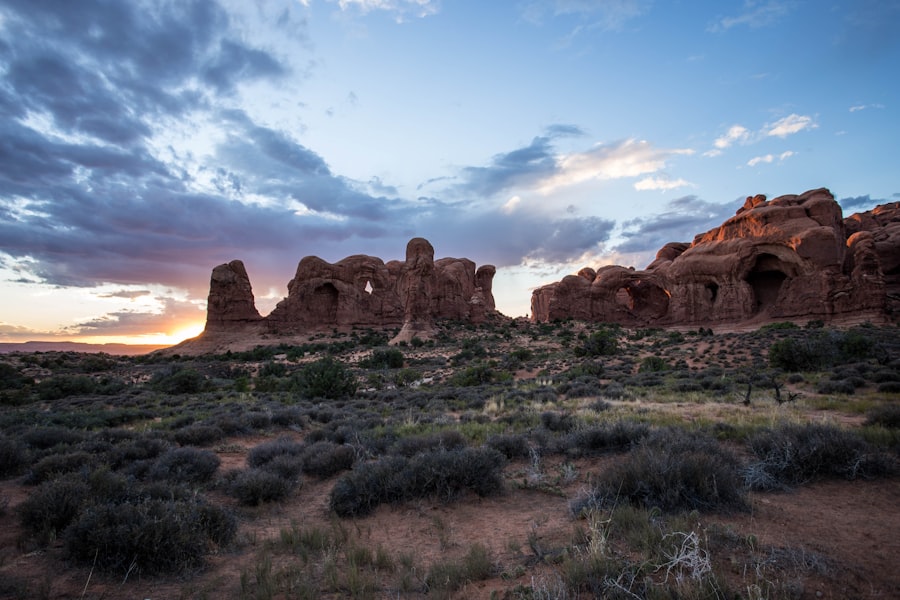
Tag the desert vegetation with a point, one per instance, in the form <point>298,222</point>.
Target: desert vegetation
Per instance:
<point>509,460</point>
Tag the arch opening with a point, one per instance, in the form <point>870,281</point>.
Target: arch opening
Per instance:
<point>324,304</point>
<point>643,299</point>
<point>766,279</point>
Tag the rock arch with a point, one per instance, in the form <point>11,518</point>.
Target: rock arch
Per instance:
<point>324,305</point>
<point>766,278</point>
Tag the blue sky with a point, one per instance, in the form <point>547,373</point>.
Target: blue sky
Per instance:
<point>145,142</point>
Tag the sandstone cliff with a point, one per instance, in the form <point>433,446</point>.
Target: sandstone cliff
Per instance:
<point>357,291</point>
<point>791,258</point>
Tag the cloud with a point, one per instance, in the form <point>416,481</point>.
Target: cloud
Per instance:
<point>172,316</point>
<point>790,125</point>
<point>735,133</point>
<point>683,219</point>
<point>599,14</point>
<point>660,183</point>
<point>617,160</point>
<point>127,294</point>
<point>769,158</point>
<point>859,107</point>
<point>755,15</point>
<point>738,134</point>
<point>401,8</point>
<point>860,203</point>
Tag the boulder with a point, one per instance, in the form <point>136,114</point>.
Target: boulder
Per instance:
<point>791,258</point>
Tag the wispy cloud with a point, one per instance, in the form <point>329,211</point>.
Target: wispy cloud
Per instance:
<point>738,134</point>
<point>790,125</point>
<point>859,107</point>
<point>754,15</point>
<point>606,15</point>
<point>627,158</point>
<point>662,183</point>
<point>735,133</point>
<point>769,158</point>
<point>683,219</point>
<point>401,8</point>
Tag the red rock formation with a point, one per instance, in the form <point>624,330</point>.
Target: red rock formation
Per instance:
<point>360,291</point>
<point>788,258</point>
<point>881,246</point>
<point>230,304</point>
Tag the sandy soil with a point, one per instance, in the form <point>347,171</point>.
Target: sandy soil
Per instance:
<point>834,539</point>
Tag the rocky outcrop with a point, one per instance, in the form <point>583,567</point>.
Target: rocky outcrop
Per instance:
<point>791,258</point>
<point>230,304</point>
<point>359,291</point>
<point>878,230</point>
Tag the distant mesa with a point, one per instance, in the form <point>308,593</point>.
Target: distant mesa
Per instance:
<point>792,258</point>
<point>358,291</point>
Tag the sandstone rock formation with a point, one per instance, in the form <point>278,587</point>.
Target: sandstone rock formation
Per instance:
<point>791,258</point>
<point>358,291</point>
<point>230,303</point>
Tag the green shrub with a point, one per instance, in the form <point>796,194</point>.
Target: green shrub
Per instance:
<point>11,378</point>
<point>54,465</point>
<point>185,465</point>
<point>672,470</point>
<point>51,507</point>
<point>257,486</point>
<point>324,459</point>
<point>510,445</point>
<point>604,342</point>
<point>181,381</point>
<point>360,491</point>
<point>44,438</point>
<point>384,358</point>
<point>325,378</point>
<point>886,415</point>
<point>13,457</point>
<point>653,364</point>
<point>263,453</point>
<point>889,387</point>
<point>479,374</point>
<point>446,473</point>
<point>795,454</point>
<point>843,386</point>
<point>291,416</point>
<point>613,437</point>
<point>556,421</point>
<point>63,386</point>
<point>442,473</point>
<point>448,439</point>
<point>199,435</point>
<point>476,565</point>
<point>149,537</point>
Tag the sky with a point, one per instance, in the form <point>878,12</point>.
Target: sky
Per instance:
<point>142,143</point>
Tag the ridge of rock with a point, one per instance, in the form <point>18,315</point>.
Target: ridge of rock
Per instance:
<point>791,258</point>
<point>357,291</point>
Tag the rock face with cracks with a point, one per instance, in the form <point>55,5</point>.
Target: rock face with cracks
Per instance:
<point>791,258</point>
<point>358,291</point>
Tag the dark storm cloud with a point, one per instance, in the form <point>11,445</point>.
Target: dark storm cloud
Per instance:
<point>517,167</point>
<point>859,203</point>
<point>235,62</point>
<point>103,67</point>
<point>685,218</point>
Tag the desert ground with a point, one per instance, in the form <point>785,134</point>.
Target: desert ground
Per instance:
<point>506,460</point>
